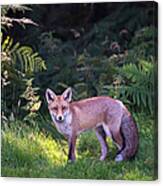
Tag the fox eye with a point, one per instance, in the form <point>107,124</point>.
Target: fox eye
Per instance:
<point>55,108</point>
<point>64,108</point>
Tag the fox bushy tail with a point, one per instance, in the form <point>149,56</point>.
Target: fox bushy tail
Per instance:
<point>129,133</point>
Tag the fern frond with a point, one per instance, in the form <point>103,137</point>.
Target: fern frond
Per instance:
<point>8,22</point>
<point>14,8</point>
<point>137,89</point>
<point>24,56</point>
<point>141,83</point>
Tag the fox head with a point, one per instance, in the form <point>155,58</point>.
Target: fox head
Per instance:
<point>59,106</point>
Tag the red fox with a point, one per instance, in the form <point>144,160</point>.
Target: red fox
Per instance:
<point>107,116</point>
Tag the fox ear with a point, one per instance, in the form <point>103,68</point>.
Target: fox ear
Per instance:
<point>50,95</point>
<point>67,94</point>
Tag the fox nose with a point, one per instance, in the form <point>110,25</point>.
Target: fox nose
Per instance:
<point>60,118</point>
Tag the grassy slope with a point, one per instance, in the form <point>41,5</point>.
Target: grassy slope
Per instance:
<point>27,152</point>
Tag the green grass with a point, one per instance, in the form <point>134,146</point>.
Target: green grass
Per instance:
<point>30,152</point>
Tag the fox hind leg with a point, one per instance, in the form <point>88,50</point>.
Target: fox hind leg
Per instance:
<point>117,138</point>
<point>119,141</point>
<point>101,135</point>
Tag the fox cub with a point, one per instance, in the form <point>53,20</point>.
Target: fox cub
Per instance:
<point>107,116</point>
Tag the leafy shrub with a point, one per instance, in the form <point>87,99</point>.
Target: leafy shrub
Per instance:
<point>19,65</point>
<point>135,86</point>
<point>92,59</point>
<point>100,57</point>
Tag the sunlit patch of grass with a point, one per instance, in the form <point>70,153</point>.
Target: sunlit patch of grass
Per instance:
<point>29,152</point>
<point>52,150</point>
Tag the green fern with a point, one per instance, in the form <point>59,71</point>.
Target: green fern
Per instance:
<point>7,22</point>
<point>139,86</point>
<point>14,8</point>
<point>135,87</point>
<point>19,63</point>
<point>30,61</point>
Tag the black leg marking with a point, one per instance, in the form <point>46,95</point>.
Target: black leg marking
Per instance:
<point>123,145</point>
<point>101,132</point>
<point>70,152</point>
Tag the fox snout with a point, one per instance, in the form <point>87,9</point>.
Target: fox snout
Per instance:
<point>59,118</point>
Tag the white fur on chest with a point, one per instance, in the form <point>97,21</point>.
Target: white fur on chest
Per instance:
<point>64,127</point>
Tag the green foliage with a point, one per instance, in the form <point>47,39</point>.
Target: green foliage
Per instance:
<point>96,63</point>
<point>8,22</point>
<point>14,8</point>
<point>66,66</point>
<point>19,64</point>
<point>23,57</point>
<point>135,86</point>
<point>143,45</point>
<point>31,152</point>
<point>139,88</point>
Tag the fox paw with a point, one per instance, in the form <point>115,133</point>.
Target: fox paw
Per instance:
<point>102,158</point>
<point>119,158</point>
<point>70,161</point>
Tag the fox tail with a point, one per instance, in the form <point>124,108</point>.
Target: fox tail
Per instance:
<point>129,133</point>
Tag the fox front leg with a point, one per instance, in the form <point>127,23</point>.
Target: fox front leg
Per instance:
<point>71,151</point>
